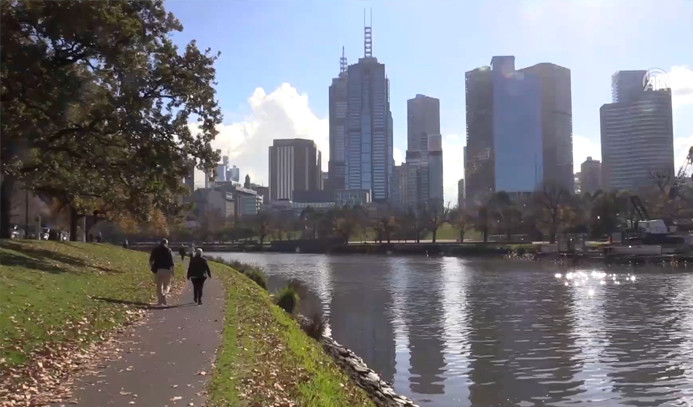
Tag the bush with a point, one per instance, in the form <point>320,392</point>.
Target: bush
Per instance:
<point>257,276</point>
<point>315,326</point>
<point>521,251</point>
<point>252,272</point>
<point>288,299</point>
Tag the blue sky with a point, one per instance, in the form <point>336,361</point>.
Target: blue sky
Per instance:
<point>278,58</point>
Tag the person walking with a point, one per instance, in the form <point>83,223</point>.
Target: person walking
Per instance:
<point>161,261</point>
<point>182,252</point>
<point>198,271</point>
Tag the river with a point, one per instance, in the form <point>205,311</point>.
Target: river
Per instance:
<point>486,332</point>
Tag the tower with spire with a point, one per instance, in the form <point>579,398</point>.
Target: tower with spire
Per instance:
<point>368,134</point>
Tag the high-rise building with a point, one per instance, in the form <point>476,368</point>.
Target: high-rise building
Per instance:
<point>294,165</point>
<point>423,119</point>
<point>460,193</point>
<point>338,114</point>
<point>519,128</point>
<point>189,180</point>
<point>368,144</point>
<point>478,158</point>
<point>233,174</point>
<point>424,152</point>
<point>435,170</point>
<point>556,123</point>
<point>590,175</point>
<point>398,186</point>
<point>637,136</point>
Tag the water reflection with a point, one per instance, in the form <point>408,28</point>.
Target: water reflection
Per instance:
<point>454,332</point>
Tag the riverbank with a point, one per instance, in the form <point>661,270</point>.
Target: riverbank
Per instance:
<point>60,301</point>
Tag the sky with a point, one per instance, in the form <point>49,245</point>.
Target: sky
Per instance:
<point>278,58</point>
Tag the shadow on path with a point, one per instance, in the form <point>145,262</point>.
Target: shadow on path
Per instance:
<point>142,305</point>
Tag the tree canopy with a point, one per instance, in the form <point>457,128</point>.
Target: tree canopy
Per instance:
<point>97,103</point>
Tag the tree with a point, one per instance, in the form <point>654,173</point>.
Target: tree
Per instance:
<point>506,213</point>
<point>550,201</point>
<point>97,103</point>
<point>459,218</point>
<point>435,214</point>
<point>262,223</point>
<point>348,221</point>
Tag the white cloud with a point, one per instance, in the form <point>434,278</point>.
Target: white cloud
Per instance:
<point>681,82</point>
<point>584,147</point>
<point>453,166</point>
<point>284,113</point>
<point>681,147</point>
<point>398,155</point>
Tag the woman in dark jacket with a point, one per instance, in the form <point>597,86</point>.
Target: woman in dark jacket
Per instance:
<point>198,271</point>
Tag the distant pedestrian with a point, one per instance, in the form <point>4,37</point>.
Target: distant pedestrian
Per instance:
<point>198,271</point>
<point>99,238</point>
<point>182,252</point>
<point>126,243</point>
<point>161,262</point>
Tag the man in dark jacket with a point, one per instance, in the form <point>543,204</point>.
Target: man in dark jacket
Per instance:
<point>198,271</point>
<point>161,262</point>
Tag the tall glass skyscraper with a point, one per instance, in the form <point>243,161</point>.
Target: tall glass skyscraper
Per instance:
<point>519,128</point>
<point>637,136</point>
<point>338,112</point>
<point>368,144</point>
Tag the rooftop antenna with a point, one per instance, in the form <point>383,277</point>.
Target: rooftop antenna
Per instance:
<point>367,36</point>
<point>342,62</point>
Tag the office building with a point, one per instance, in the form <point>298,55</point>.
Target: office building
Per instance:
<point>478,154</point>
<point>294,165</point>
<point>337,118</point>
<point>435,170</point>
<point>398,186</point>
<point>556,123</point>
<point>637,137</point>
<point>519,128</point>
<point>368,144</point>
<point>590,175</point>
<point>460,193</point>
<point>423,120</point>
<point>233,174</point>
<point>424,164</point>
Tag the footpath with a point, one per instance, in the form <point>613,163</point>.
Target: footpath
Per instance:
<point>164,361</point>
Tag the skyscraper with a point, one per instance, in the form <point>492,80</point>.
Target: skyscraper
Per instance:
<point>556,123</point>
<point>294,165</point>
<point>519,128</point>
<point>590,175</point>
<point>637,137</point>
<point>368,145</point>
<point>517,143</point>
<point>424,151</point>
<point>338,112</point>
<point>423,119</point>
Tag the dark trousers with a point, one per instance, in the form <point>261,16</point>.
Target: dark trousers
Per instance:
<point>198,283</point>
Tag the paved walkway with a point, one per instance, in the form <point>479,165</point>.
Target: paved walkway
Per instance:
<point>166,361</point>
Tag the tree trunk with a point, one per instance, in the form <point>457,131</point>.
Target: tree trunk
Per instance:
<point>485,232</point>
<point>435,231</point>
<point>5,200</point>
<point>73,224</point>
<point>462,235</point>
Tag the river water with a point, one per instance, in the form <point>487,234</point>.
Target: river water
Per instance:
<point>486,332</point>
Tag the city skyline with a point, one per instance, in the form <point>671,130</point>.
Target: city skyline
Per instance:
<point>263,100</point>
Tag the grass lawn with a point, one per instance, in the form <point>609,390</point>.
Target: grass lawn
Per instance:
<point>266,359</point>
<point>53,293</point>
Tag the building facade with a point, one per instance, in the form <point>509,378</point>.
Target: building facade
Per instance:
<point>368,144</point>
<point>337,118</point>
<point>519,128</point>
<point>424,165</point>
<point>590,175</point>
<point>460,193</point>
<point>294,165</point>
<point>517,135</point>
<point>637,137</point>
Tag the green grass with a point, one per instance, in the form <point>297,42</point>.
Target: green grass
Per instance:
<point>56,293</point>
<point>266,357</point>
